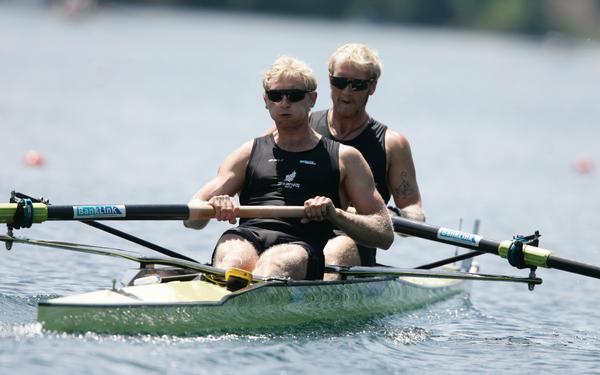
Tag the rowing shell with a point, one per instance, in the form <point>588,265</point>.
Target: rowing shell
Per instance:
<point>175,296</point>
<point>200,307</point>
<point>172,304</point>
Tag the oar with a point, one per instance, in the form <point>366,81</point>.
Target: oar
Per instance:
<point>456,257</point>
<point>532,256</point>
<point>110,230</point>
<point>40,212</point>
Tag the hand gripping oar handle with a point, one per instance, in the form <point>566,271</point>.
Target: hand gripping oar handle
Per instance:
<point>533,256</point>
<point>42,212</point>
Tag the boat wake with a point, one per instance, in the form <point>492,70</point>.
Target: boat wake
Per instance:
<point>18,316</point>
<point>20,330</point>
<point>406,335</point>
<point>14,309</point>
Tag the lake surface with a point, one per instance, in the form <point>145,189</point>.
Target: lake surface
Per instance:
<point>140,105</point>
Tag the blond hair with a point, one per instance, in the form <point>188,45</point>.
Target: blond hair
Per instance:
<point>357,55</point>
<point>286,67</point>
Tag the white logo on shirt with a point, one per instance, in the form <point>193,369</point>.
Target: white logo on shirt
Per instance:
<point>288,181</point>
<point>290,177</point>
<point>309,162</point>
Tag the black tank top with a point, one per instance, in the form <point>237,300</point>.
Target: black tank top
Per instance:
<point>283,178</point>
<point>370,143</point>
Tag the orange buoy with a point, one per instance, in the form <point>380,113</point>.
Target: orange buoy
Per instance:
<point>583,164</point>
<point>33,158</point>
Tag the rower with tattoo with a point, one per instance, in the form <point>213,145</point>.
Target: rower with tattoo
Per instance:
<point>354,70</point>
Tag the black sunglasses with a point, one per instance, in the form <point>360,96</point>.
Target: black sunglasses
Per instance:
<point>357,84</point>
<point>293,95</point>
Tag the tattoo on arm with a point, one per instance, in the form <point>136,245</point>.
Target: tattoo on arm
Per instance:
<point>404,188</point>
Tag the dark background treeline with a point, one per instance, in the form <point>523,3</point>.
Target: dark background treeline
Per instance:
<point>578,18</point>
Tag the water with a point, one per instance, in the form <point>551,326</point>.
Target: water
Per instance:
<point>140,106</point>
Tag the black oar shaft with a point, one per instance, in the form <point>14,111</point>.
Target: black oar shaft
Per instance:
<point>444,235</point>
<point>69,212</point>
<point>533,256</point>
<point>573,266</point>
<point>118,212</point>
<point>38,212</point>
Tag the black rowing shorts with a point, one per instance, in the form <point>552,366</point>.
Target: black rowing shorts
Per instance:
<point>262,239</point>
<point>368,255</point>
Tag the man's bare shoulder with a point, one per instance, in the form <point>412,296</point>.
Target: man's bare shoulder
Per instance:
<point>246,147</point>
<point>239,155</point>
<point>349,153</point>
<point>395,141</point>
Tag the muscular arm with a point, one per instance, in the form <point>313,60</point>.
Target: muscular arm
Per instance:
<point>371,224</point>
<point>401,176</point>
<point>229,181</point>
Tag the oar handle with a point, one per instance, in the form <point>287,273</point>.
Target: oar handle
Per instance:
<point>204,211</point>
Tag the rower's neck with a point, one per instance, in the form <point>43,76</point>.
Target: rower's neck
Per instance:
<point>345,128</point>
<point>296,139</point>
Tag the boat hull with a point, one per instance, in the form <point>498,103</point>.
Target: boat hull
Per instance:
<point>198,307</point>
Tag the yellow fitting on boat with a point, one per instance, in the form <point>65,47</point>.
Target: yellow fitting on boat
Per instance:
<point>534,256</point>
<point>7,212</point>
<point>237,278</point>
<point>503,248</point>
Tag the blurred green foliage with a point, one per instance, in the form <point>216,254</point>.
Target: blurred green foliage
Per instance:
<point>533,17</point>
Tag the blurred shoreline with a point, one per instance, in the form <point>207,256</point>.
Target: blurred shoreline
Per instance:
<point>535,18</point>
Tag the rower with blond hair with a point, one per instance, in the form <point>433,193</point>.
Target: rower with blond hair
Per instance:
<point>354,71</point>
<point>293,166</point>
